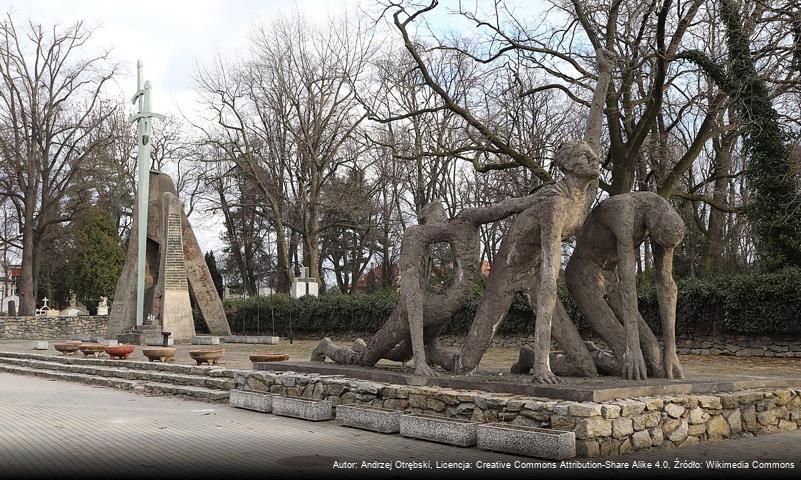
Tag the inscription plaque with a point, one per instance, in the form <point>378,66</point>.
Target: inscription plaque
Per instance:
<point>174,268</point>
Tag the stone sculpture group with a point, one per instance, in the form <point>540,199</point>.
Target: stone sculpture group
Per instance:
<point>600,276</point>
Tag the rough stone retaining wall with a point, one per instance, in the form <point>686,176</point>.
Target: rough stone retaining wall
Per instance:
<point>601,429</point>
<point>52,327</point>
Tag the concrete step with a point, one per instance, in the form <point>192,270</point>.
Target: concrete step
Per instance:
<point>153,388</point>
<point>121,371</point>
<point>130,364</point>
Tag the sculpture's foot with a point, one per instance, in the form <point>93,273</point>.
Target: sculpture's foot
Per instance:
<point>425,370</point>
<point>318,354</point>
<point>634,365</point>
<point>672,366</point>
<point>544,375</point>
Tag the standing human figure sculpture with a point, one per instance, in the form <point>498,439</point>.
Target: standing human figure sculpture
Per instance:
<point>422,313</point>
<point>529,257</point>
<point>601,277</point>
<point>528,261</point>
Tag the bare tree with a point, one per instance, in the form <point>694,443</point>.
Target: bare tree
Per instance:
<point>50,111</point>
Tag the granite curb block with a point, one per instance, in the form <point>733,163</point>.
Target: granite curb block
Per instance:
<point>256,339</point>
<point>314,410</point>
<point>205,340</point>
<point>375,419</point>
<point>527,441</point>
<point>250,400</point>
<point>461,433</point>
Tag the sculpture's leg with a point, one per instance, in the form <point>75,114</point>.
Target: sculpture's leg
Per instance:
<point>666,295</point>
<point>447,359</point>
<point>491,312</point>
<point>564,331</point>
<point>651,351</point>
<point>585,283</point>
<point>393,332</point>
<point>340,355</point>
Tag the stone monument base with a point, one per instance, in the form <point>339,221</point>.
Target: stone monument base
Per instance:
<point>140,335</point>
<point>647,418</point>
<point>600,389</point>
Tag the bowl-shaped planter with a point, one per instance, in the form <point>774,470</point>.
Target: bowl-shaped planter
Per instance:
<point>67,348</point>
<point>119,352</point>
<point>162,354</point>
<point>209,356</point>
<point>452,431</point>
<point>269,357</point>
<point>375,419</point>
<point>91,349</point>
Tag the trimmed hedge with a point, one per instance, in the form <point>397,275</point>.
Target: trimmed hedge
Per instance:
<point>745,304</point>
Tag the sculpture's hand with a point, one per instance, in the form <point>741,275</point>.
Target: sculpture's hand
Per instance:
<point>634,364</point>
<point>543,374</point>
<point>670,361</point>
<point>359,346</point>
<point>425,370</point>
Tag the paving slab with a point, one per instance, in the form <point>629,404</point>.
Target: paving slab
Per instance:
<point>66,430</point>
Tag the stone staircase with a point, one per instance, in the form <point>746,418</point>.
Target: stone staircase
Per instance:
<point>206,384</point>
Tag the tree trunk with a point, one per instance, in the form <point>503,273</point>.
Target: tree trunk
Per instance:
<point>27,279</point>
<point>712,256</point>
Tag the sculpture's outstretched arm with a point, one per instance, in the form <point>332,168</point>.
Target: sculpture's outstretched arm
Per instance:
<point>551,244</point>
<point>497,211</point>
<point>592,135</point>
<point>633,363</point>
<point>666,295</point>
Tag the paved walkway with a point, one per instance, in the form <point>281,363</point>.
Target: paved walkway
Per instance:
<point>75,430</point>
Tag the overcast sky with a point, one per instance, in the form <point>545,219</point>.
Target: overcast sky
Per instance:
<point>171,36</point>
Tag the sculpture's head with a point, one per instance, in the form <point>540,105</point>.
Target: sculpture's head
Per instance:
<point>432,213</point>
<point>665,226</point>
<point>576,157</point>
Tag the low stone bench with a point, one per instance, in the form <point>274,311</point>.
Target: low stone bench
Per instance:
<point>527,441</point>
<point>375,419</point>
<point>251,400</point>
<point>205,340</point>
<point>304,408</point>
<point>452,431</point>
<point>41,345</point>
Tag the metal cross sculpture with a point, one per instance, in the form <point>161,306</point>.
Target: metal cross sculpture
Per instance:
<point>144,133</point>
